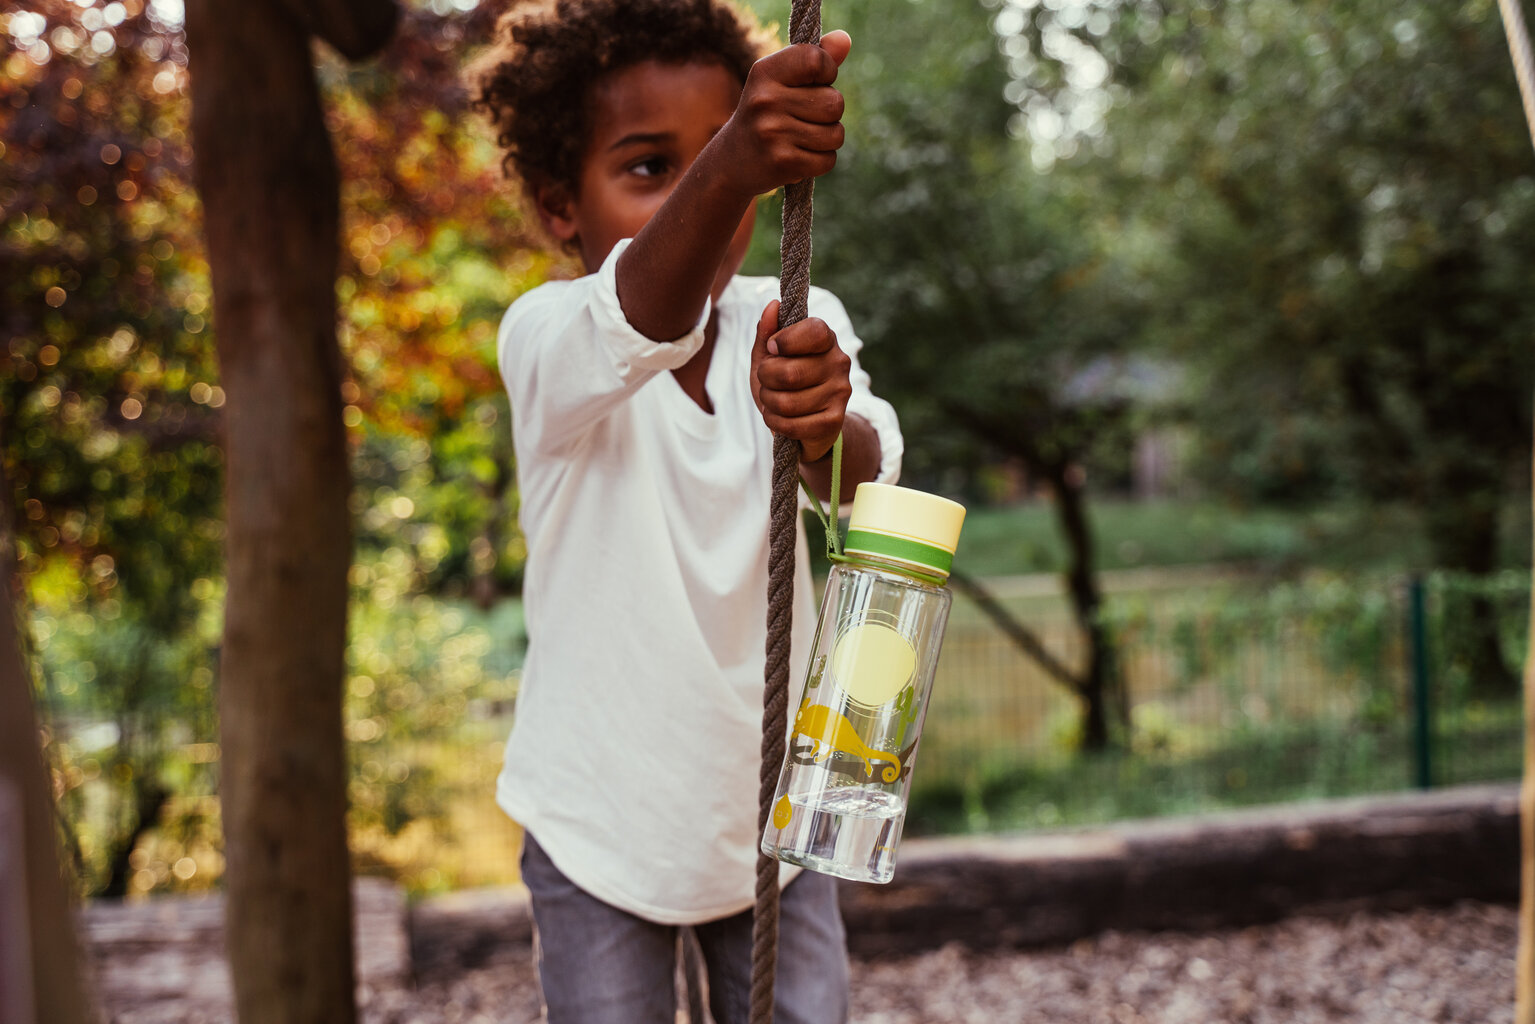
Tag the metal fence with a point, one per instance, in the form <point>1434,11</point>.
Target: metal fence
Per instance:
<point>1230,692</point>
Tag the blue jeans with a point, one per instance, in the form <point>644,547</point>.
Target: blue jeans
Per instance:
<point>601,965</point>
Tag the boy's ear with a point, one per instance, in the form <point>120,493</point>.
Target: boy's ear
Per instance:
<point>555,210</point>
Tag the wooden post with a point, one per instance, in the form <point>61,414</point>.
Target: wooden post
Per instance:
<point>271,206</point>
<point>1524,1005</point>
<point>41,977</point>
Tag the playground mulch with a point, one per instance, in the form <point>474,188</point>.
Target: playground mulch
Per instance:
<point>1448,964</point>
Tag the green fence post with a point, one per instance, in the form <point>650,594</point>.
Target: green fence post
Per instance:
<point>1423,728</point>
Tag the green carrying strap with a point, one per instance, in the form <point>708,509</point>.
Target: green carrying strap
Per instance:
<point>829,522</point>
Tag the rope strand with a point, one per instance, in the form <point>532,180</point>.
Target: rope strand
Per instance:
<point>794,293</point>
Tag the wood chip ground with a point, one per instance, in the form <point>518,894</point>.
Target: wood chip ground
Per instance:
<point>1423,966</point>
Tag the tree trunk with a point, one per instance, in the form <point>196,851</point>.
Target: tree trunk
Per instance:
<point>42,978</point>
<point>1099,677</point>
<point>149,799</point>
<point>268,181</point>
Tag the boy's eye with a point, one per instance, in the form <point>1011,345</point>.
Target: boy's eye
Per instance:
<point>649,167</point>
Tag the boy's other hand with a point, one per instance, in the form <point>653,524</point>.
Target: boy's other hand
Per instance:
<point>799,380</point>
<point>787,126</point>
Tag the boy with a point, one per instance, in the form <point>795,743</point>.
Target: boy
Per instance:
<point>644,398</point>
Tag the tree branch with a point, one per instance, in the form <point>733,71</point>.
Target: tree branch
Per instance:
<point>1024,638</point>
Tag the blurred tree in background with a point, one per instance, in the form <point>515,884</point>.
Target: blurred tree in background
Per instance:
<point>1332,208</point>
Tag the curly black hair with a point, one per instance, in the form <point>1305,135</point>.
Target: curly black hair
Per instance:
<point>536,81</point>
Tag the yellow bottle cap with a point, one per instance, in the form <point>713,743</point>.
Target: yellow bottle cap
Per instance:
<point>907,527</point>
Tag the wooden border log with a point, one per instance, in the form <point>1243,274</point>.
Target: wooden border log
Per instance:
<point>1192,874</point>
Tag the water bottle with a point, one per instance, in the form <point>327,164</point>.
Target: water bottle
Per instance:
<point>841,798</point>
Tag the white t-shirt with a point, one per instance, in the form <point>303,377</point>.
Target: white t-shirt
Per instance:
<point>634,755</point>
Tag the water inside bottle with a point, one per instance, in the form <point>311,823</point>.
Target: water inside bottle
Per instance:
<point>848,831</point>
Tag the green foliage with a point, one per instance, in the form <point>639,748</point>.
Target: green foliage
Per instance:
<point>1333,208</point>
<point>133,737</point>
<point>107,385</point>
<point>435,247</point>
<point>429,687</point>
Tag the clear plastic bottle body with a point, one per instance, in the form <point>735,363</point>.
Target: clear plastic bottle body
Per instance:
<point>841,799</point>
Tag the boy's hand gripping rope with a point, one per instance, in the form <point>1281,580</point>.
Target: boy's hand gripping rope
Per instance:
<point>794,293</point>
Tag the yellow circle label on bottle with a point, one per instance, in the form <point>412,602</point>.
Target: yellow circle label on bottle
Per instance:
<point>872,663</point>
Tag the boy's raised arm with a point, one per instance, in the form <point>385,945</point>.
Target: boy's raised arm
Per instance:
<point>786,128</point>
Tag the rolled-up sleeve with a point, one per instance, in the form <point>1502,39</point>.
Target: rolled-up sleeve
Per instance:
<point>569,356</point>
<point>863,402</point>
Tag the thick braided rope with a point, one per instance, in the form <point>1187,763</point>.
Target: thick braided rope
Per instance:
<point>794,293</point>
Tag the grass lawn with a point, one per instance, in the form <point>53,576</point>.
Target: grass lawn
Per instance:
<point>1133,535</point>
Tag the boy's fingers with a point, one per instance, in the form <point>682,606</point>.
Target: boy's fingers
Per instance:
<point>802,64</point>
<point>767,324</point>
<point>796,373</point>
<point>838,44</point>
<point>789,405</point>
<point>810,336</point>
<point>805,373</point>
<point>821,105</point>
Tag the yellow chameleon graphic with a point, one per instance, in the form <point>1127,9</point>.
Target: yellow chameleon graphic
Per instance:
<point>832,732</point>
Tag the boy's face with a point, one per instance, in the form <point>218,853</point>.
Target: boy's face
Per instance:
<point>649,123</point>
